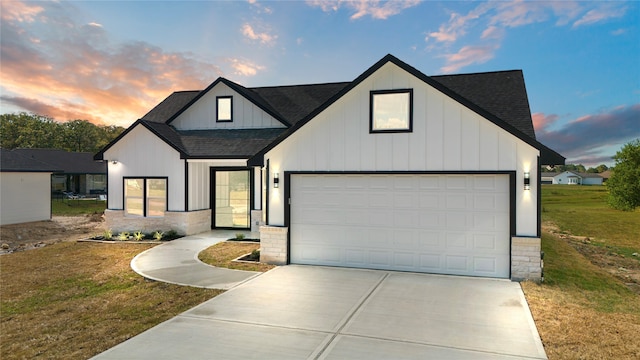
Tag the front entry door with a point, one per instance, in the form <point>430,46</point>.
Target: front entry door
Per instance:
<point>231,198</point>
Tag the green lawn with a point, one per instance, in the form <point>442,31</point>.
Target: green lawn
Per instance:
<point>582,311</point>
<point>73,207</point>
<point>583,211</point>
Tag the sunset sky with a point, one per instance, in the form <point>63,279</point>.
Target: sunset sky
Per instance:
<point>111,61</point>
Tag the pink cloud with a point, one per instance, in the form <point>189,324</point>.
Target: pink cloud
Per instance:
<point>16,11</point>
<point>377,9</point>
<point>585,137</point>
<point>601,14</point>
<point>497,17</point>
<point>262,37</point>
<point>75,71</point>
<point>468,55</point>
<point>541,121</point>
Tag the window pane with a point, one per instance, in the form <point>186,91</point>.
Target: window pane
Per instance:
<point>133,206</point>
<point>391,111</point>
<point>157,188</point>
<point>133,187</point>
<point>232,196</point>
<point>224,109</point>
<point>133,193</point>
<point>156,207</point>
<point>156,197</point>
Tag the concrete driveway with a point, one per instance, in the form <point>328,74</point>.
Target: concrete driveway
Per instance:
<point>312,312</point>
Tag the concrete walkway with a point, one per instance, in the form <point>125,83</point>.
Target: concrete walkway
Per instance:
<point>176,262</point>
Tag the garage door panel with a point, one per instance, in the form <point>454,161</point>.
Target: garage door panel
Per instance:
<point>450,224</point>
<point>430,262</point>
<point>484,264</point>
<point>456,264</point>
<point>430,239</point>
<point>456,182</point>
<point>430,200</point>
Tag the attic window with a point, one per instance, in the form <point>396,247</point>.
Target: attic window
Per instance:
<point>391,111</point>
<point>224,108</point>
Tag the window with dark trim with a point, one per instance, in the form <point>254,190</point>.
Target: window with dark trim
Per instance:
<point>391,111</point>
<point>145,197</point>
<point>224,108</point>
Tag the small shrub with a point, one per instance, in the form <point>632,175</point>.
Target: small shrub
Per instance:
<point>239,236</point>
<point>138,235</point>
<point>107,234</point>
<point>255,255</point>
<point>171,234</point>
<point>123,236</point>
<point>158,235</point>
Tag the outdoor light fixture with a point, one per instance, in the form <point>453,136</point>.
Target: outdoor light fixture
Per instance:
<point>527,180</point>
<point>276,180</point>
<point>114,162</point>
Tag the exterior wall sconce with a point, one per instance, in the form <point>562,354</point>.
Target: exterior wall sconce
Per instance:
<point>114,162</point>
<point>276,180</point>
<point>527,180</point>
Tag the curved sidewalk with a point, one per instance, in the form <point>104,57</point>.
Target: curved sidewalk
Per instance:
<point>177,262</point>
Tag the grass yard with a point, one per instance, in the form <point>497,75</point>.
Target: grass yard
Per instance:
<point>73,207</point>
<point>583,310</point>
<point>222,255</point>
<point>74,300</point>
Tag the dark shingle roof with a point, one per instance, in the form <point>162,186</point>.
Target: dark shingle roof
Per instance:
<point>295,102</point>
<point>240,143</point>
<point>14,161</point>
<point>220,143</point>
<point>499,96</point>
<point>169,106</point>
<point>65,161</point>
<point>501,93</point>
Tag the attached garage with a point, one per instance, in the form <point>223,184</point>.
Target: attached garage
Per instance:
<point>437,223</point>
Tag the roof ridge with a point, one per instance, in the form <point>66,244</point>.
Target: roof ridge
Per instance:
<point>298,85</point>
<point>478,73</point>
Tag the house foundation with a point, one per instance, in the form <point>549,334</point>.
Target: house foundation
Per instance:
<point>184,223</point>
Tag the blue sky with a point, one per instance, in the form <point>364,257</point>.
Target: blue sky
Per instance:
<point>112,61</point>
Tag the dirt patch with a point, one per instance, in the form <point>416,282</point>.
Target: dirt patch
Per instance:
<point>624,268</point>
<point>26,236</point>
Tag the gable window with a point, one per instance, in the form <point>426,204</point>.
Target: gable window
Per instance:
<point>224,108</point>
<point>145,197</point>
<point>391,111</point>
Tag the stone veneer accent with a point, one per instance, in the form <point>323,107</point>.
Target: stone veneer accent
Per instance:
<point>185,223</point>
<point>526,263</point>
<point>273,245</point>
<point>256,220</point>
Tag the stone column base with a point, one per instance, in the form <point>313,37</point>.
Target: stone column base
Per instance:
<point>273,245</point>
<point>526,262</point>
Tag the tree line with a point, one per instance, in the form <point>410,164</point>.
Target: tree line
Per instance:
<point>577,168</point>
<point>23,130</point>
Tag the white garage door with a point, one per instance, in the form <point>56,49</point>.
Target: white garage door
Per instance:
<point>447,224</point>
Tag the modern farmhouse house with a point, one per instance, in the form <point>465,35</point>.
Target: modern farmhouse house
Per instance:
<point>393,170</point>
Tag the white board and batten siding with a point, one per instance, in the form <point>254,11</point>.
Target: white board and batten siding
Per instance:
<point>246,115</point>
<point>24,197</point>
<point>142,154</point>
<point>446,137</point>
<point>199,181</point>
<point>448,224</point>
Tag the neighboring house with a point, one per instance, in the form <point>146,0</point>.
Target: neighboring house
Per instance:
<point>25,188</point>
<point>605,175</point>
<point>572,178</point>
<point>78,173</point>
<point>394,170</point>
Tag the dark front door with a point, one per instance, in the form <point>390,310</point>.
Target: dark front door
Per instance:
<point>231,198</point>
